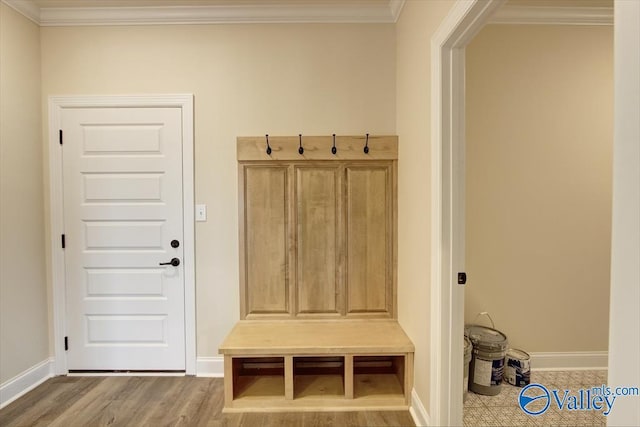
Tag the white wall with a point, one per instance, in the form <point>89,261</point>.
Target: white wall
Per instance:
<point>281,79</point>
<point>624,323</point>
<point>23,291</point>
<point>539,142</point>
<point>417,23</point>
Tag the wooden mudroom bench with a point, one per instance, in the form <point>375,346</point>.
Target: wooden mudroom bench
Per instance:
<point>317,365</point>
<point>318,271</point>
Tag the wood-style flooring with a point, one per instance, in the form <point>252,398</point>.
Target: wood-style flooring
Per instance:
<point>161,401</point>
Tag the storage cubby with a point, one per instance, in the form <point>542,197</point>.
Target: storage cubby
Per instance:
<point>300,366</point>
<point>258,378</point>
<point>378,377</point>
<point>318,377</point>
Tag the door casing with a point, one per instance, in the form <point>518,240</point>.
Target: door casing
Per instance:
<point>56,106</point>
<point>464,21</point>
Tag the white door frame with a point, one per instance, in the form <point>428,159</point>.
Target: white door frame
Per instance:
<point>56,105</point>
<point>465,20</point>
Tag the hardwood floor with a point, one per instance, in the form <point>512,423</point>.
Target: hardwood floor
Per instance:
<point>160,401</point>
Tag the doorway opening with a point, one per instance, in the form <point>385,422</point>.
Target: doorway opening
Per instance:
<point>448,134</point>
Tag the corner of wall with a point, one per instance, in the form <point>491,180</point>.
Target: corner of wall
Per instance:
<point>23,289</point>
<point>26,381</point>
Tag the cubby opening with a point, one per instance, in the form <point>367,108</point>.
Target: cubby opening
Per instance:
<point>318,377</point>
<point>378,376</point>
<point>258,378</point>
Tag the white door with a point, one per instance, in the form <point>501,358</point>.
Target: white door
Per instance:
<point>123,207</point>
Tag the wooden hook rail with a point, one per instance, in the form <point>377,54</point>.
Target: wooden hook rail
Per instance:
<point>330,147</point>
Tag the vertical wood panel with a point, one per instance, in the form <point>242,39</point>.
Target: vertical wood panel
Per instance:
<point>368,239</point>
<point>288,377</point>
<point>229,375</point>
<point>348,376</point>
<point>408,377</point>
<point>317,249</point>
<point>266,255</point>
<point>292,239</point>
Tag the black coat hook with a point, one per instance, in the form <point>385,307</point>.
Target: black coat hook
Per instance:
<point>300,149</point>
<point>268,146</point>
<point>366,145</point>
<point>334,150</point>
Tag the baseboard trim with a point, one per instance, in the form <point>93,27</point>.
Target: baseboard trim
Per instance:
<point>26,381</point>
<point>417,411</point>
<point>210,367</point>
<point>576,360</point>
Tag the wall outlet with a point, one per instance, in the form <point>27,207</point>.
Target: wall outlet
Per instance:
<point>201,212</point>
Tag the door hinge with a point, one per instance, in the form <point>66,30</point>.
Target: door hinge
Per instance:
<point>64,242</point>
<point>60,136</point>
<point>66,343</point>
<point>462,278</point>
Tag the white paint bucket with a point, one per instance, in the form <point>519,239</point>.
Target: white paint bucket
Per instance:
<point>517,367</point>
<point>468,347</point>
<point>487,362</point>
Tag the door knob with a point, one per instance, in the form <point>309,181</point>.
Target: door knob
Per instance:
<point>174,261</point>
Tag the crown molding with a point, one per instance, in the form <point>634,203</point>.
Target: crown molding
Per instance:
<point>346,12</point>
<point>396,8</point>
<point>241,14</point>
<point>552,15</point>
<point>26,8</point>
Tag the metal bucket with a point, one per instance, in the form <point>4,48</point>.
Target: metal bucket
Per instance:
<point>487,362</point>
<point>517,367</point>
<point>468,347</point>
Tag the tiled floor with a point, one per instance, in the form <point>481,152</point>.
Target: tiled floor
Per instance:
<point>503,409</point>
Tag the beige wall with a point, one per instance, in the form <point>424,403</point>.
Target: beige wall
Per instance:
<point>539,168</point>
<point>418,22</point>
<point>247,80</point>
<point>23,291</point>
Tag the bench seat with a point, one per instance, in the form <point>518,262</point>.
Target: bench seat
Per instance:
<point>314,365</point>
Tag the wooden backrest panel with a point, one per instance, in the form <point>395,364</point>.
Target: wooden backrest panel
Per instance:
<point>317,257</point>
<point>266,219</point>
<point>318,230</point>
<point>369,245</point>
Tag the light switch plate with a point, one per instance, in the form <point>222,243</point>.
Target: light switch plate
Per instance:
<point>201,212</point>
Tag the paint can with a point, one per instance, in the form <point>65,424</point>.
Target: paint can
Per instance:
<point>468,347</point>
<point>517,367</point>
<point>487,361</point>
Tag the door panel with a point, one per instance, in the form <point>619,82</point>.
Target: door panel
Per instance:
<point>123,187</point>
<point>114,282</point>
<point>122,207</point>
<point>126,329</point>
<point>122,139</point>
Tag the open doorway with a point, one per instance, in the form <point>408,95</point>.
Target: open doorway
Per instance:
<point>447,225</point>
<point>538,180</point>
